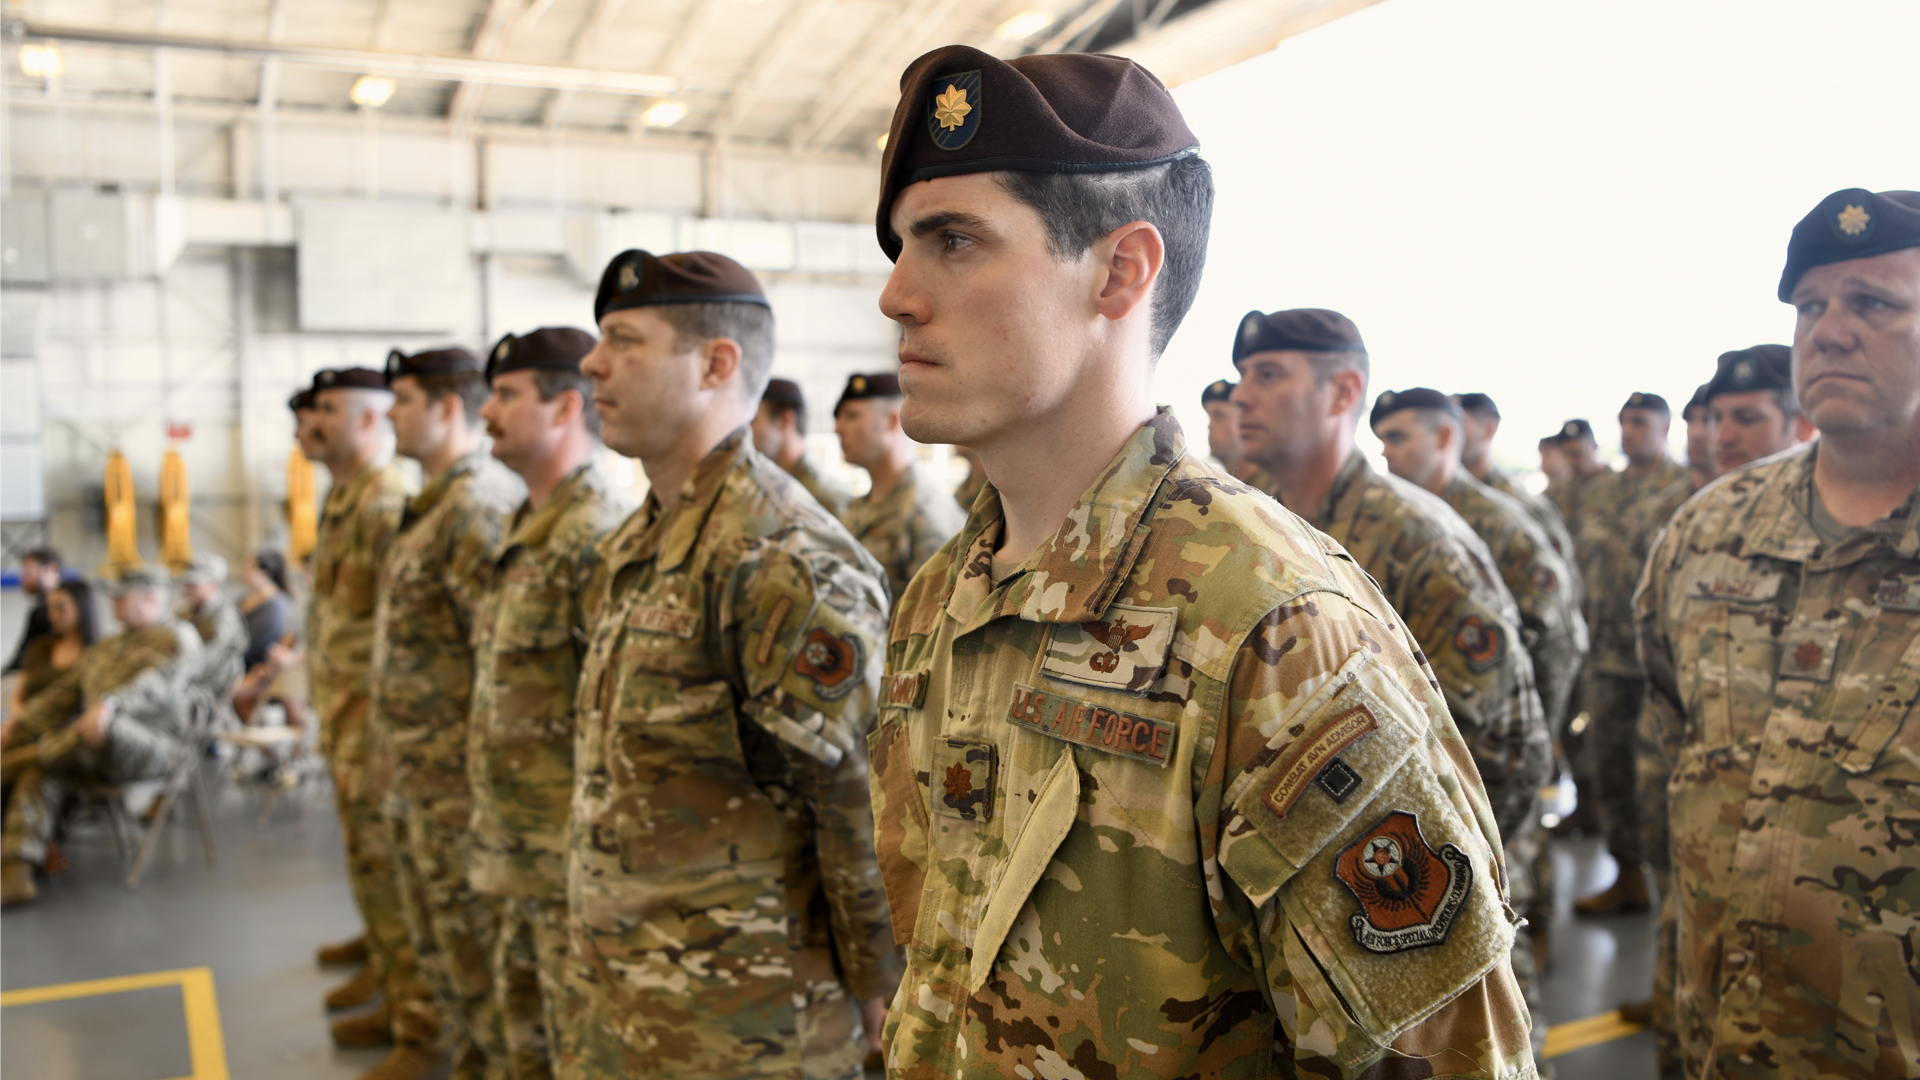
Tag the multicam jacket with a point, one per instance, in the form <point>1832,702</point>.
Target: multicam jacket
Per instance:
<point>530,640</point>
<point>432,583</point>
<point>1542,511</point>
<point>1541,584</point>
<point>357,522</point>
<point>721,885</point>
<point>1783,676</point>
<point>1442,579</point>
<point>904,529</point>
<point>824,491</point>
<point>1177,797</point>
<point>223,637</point>
<point>147,673</point>
<point>1622,515</point>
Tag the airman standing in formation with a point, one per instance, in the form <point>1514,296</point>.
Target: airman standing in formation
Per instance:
<point>902,520</point>
<point>118,716</point>
<point>1780,623</point>
<point>223,632</point>
<point>432,583</point>
<point>1153,754</point>
<point>1223,440</point>
<point>1578,455</point>
<point>357,522</point>
<point>1479,422</point>
<point>780,434</point>
<point>1754,413</point>
<point>1699,421</point>
<point>530,639</point>
<point>1621,513</point>
<point>724,904</point>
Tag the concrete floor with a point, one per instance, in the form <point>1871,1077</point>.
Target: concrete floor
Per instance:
<point>281,890</point>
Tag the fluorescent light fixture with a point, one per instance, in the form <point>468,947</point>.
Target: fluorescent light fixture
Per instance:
<point>664,113</point>
<point>1024,25</point>
<point>371,91</point>
<point>40,61</point>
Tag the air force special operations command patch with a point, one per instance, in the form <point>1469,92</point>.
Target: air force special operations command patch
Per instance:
<point>1409,894</point>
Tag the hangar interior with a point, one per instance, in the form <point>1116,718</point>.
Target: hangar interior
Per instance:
<point>207,200</point>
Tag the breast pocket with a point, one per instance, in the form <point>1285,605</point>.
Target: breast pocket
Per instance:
<point>1728,657</point>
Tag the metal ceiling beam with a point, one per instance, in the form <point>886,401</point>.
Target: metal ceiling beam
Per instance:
<point>699,23</point>
<point>876,59</point>
<point>400,65</point>
<point>489,39</point>
<point>1090,15</point>
<point>599,18</point>
<point>787,37</point>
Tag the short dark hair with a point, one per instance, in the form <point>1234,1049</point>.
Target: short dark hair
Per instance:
<point>82,594</point>
<point>552,382</point>
<point>1078,209</point>
<point>274,565</point>
<point>469,386</point>
<point>748,325</point>
<point>45,556</point>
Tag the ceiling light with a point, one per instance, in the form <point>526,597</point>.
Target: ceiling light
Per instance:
<point>371,91</point>
<point>664,113</point>
<point>881,142</point>
<point>40,61</point>
<point>1024,25</point>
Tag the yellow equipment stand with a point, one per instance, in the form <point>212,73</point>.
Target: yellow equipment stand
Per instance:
<point>176,524</point>
<point>303,516</point>
<point>123,552</point>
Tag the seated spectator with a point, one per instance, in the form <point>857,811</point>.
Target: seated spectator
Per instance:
<point>117,717</point>
<point>267,606</point>
<point>223,632</point>
<point>70,618</point>
<point>40,571</point>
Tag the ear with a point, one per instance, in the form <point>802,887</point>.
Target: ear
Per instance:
<point>1348,390</point>
<point>1131,257</point>
<point>568,405</point>
<point>1446,435</point>
<point>720,360</point>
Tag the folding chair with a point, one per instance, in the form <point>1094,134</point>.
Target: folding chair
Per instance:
<point>183,775</point>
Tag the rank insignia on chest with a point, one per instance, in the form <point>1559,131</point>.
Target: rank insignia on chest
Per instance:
<point>1094,726</point>
<point>1806,652</point>
<point>962,779</point>
<point>1409,894</point>
<point>832,661</point>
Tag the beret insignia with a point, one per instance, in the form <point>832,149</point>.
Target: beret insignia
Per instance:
<point>857,384</point>
<point>1570,431</point>
<point>629,277</point>
<point>1743,370</point>
<point>953,111</point>
<point>1851,223</point>
<point>1409,894</point>
<point>500,351</point>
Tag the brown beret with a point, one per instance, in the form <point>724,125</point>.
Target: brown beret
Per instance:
<point>1698,400</point>
<point>1477,403</point>
<point>1302,330</point>
<point>1851,224</point>
<point>1650,402</point>
<point>861,387</point>
<point>638,278</point>
<point>1217,390</point>
<point>965,111</point>
<point>301,401</point>
<point>1574,429</point>
<point>1420,397</point>
<point>451,360</point>
<point>353,378</point>
<point>550,348</point>
<point>1761,367</point>
<point>784,392</point>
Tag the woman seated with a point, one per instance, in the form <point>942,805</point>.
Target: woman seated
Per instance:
<point>273,669</point>
<point>70,610</point>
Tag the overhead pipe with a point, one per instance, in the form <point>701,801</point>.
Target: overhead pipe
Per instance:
<point>400,65</point>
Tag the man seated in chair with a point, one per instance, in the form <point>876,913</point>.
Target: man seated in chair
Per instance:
<point>223,634</point>
<point>117,717</point>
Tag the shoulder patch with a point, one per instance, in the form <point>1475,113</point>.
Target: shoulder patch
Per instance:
<point>1124,650</point>
<point>1307,761</point>
<point>832,662</point>
<point>1409,894</point>
<point>1544,579</point>
<point>1480,643</point>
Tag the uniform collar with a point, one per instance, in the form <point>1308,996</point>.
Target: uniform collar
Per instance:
<point>1780,528</point>
<point>1073,576</point>
<point>341,500</point>
<point>531,529</point>
<point>1351,482</point>
<point>902,495</point>
<point>671,530</point>
<point>437,488</point>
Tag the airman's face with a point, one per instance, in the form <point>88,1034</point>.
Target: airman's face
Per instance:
<point>306,433</point>
<point>1643,433</point>
<point>862,427</point>
<point>1747,426</point>
<point>1700,438</point>
<point>523,427</point>
<point>768,438</point>
<point>1223,441</point>
<point>1284,407</point>
<point>993,327</point>
<point>62,612</point>
<point>1412,447</point>
<point>420,425</point>
<point>645,386</point>
<point>1856,345</point>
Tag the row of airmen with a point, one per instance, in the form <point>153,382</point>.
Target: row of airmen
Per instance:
<point>1145,771</point>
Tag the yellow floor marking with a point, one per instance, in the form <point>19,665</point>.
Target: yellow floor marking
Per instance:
<point>1580,1034</point>
<point>206,1045</point>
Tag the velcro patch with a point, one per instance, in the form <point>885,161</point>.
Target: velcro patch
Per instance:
<point>525,573</point>
<point>963,779</point>
<point>1807,653</point>
<point>1409,893</point>
<point>1898,594</point>
<point>1094,726</point>
<point>832,661</point>
<point>763,649</point>
<point>1480,643</point>
<point>1738,588</point>
<point>1306,760</point>
<point>1125,649</point>
<point>654,620</point>
<point>905,690</point>
<point>1338,780</point>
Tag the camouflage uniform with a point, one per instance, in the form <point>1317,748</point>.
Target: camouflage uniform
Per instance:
<point>530,639</point>
<point>223,637</point>
<point>970,489</point>
<point>432,582</point>
<point>904,529</point>
<point>1121,794</point>
<point>1569,500</point>
<point>1544,513</point>
<point>1622,515</point>
<point>1783,673</point>
<point>357,522</point>
<point>147,673</point>
<point>825,491</point>
<point>725,907</point>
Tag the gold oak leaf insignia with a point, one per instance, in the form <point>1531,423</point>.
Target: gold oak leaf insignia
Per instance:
<point>1853,220</point>
<point>959,781</point>
<point>951,108</point>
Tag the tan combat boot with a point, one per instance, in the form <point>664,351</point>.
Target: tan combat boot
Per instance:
<point>1627,893</point>
<point>356,991</point>
<point>343,953</point>
<point>368,1029</point>
<point>406,1063</point>
<point>16,883</point>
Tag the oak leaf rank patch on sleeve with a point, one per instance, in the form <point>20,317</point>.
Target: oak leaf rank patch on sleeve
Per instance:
<point>1409,894</point>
